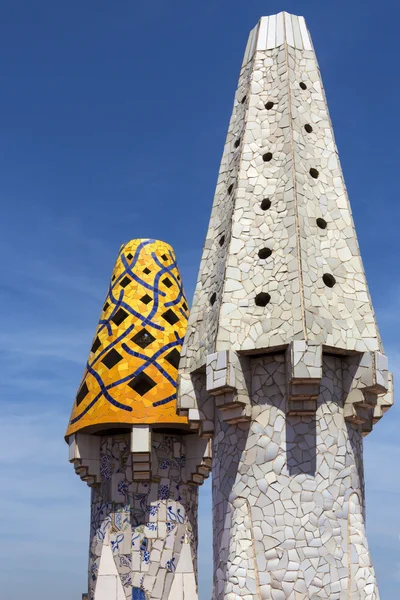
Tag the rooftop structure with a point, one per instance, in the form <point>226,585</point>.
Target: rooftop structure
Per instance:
<point>282,357</point>
<point>126,440</point>
<point>281,370</point>
<point>130,376</point>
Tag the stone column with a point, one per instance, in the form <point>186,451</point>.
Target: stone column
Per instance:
<point>143,534</point>
<point>282,359</point>
<point>126,441</point>
<point>288,522</point>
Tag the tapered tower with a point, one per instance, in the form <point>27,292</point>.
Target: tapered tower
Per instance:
<point>126,441</point>
<point>282,356</point>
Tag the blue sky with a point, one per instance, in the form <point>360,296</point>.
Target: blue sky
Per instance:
<point>113,118</point>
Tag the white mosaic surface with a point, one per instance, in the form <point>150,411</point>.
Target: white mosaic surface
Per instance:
<point>143,534</point>
<point>282,362</point>
<point>288,497</point>
<point>224,314</point>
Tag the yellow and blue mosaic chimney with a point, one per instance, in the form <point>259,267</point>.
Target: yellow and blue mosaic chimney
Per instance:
<point>131,372</point>
<point>142,461</point>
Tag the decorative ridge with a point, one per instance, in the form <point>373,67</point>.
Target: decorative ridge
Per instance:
<point>272,32</point>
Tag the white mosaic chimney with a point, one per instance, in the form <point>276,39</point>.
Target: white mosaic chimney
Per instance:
<point>282,363</point>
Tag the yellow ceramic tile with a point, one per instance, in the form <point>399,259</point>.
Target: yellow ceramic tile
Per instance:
<point>131,372</point>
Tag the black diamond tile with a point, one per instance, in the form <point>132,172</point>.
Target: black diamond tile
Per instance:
<point>143,338</point>
<point>170,317</point>
<point>125,281</point>
<point>112,278</point>
<point>111,359</point>
<point>164,257</point>
<point>83,391</point>
<point>146,270</point>
<point>167,282</point>
<point>142,384</point>
<point>119,316</point>
<point>185,306</point>
<point>96,344</point>
<point>173,358</point>
<point>146,299</point>
<point>129,256</point>
<point>106,305</point>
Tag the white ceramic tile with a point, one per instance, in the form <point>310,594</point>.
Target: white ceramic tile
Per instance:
<point>280,29</point>
<point>71,447</point>
<point>253,42</point>
<point>189,586</point>
<point>107,563</point>
<point>296,33</point>
<point>262,34</point>
<point>176,592</point>
<point>120,590</point>
<point>185,564</point>
<point>140,438</point>
<point>158,588</point>
<point>271,32</point>
<point>250,46</point>
<point>304,34</point>
<point>106,588</point>
<point>289,29</point>
<point>246,52</point>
